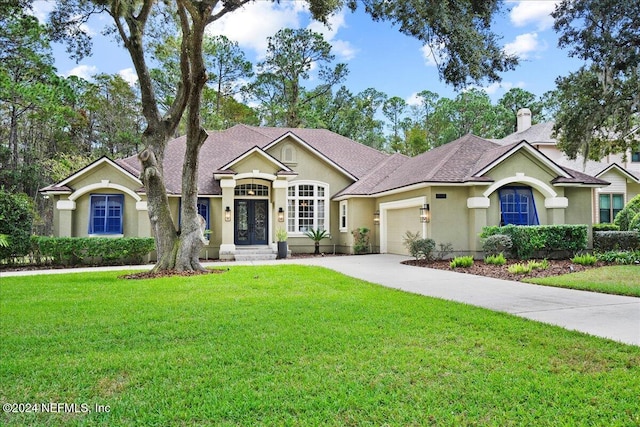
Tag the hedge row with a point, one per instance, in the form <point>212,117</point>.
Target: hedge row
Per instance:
<point>542,239</point>
<point>90,250</point>
<point>616,240</point>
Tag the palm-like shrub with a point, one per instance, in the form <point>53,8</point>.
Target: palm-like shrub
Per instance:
<point>317,235</point>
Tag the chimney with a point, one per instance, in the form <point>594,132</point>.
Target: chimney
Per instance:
<point>524,119</point>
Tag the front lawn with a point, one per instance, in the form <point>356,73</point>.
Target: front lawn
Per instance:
<point>294,345</point>
<point>618,280</point>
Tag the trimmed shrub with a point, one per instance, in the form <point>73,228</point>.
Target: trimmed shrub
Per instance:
<point>495,259</point>
<point>462,261</point>
<point>527,240</point>
<point>585,259</point>
<point>497,244</point>
<point>616,240</point>
<point>360,240</point>
<point>422,249</point>
<point>627,219</point>
<point>16,220</point>
<point>605,227</point>
<point>94,250</point>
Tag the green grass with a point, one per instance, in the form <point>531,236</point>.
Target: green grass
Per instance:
<point>295,345</point>
<point>619,280</point>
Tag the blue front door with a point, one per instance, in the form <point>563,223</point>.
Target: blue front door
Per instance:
<point>251,222</point>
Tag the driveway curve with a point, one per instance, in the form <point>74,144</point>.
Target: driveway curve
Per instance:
<point>608,316</point>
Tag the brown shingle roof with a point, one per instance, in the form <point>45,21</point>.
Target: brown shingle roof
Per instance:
<point>540,133</point>
<point>222,147</point>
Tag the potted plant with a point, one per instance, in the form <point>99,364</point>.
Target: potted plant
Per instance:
<point>281,236</point>
<point>316,236</point>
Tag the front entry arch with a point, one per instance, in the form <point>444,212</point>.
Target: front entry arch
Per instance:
<point>251,222</point>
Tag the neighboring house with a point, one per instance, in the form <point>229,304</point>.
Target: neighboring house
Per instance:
<point>255,180</point>
<point>621,171</point>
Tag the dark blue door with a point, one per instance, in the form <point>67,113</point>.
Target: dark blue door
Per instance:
<point>251,222</point>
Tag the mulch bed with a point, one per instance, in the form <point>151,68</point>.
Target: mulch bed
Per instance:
<point>479,268</point>
<point>170,273</point>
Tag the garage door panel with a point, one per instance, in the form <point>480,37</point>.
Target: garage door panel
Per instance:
<point>399,221</point>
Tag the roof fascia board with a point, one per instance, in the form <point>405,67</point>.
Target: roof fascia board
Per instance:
<point>581,185</point>
<point>313,150</point>
<point>259,151</point>
<point>57,192</point>
<point>530,149</point>
<point>95,164</point>
<point>413,187</point>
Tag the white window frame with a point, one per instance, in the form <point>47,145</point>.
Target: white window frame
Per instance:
<point>344,216</point>
<point>293,214</point>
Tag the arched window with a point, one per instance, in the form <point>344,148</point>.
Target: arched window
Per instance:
<point>251,190</point>
<point>106,213</point>
<point>517,206</point>
<point>288,154</point>
<point>308,207</point>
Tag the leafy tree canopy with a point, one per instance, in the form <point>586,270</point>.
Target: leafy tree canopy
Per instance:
<point>598,105</point>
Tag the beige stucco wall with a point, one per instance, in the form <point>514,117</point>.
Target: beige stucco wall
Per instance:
<point>311,168</point>
<point>522,162</point>
<point>82,213</point>
<point>449,217</point>
<point>99,179</point>
<point>256,162</point>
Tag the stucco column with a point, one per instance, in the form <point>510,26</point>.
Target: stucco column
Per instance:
<point>280,187</point>
<point>477,220</point>
<point>555,209</point>
<point>144,226</point>
<point>227,246</point>
<point>65,217</point>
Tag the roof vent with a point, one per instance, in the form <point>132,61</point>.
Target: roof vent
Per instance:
<point>524,119</point>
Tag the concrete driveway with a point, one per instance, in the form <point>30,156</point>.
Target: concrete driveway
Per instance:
<point>607,316</point>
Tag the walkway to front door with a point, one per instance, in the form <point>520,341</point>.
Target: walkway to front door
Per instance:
<point>251,222</point>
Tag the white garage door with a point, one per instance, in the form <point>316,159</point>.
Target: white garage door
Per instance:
<point>399,221</point>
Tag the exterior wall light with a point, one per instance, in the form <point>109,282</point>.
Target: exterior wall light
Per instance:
<point>376,217</point>
<point>425,213</point>
<point>227,214</point>
<point>280,215</point>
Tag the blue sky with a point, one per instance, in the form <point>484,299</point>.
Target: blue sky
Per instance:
<point>377,54</point>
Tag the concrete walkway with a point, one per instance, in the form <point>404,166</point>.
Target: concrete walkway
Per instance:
<point>608,316</point>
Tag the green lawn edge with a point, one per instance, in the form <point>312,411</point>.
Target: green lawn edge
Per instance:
<point>615,279</point>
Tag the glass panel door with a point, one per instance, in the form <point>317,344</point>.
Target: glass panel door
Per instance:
<point>252,222</point>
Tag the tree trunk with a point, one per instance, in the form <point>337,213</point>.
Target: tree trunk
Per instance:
<point>191,230</point>
<point>162,226</point>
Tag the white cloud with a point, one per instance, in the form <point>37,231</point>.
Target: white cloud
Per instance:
<point>41,9</point>
<point>254,22</point>
<point>524,45</point>
<point>342,48</point>
<point>414,100</point>
<point>433,56</point>
<point>336,21</point>
<point>83,71</point>
<point>533,12</point>
<point>129,76</point>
